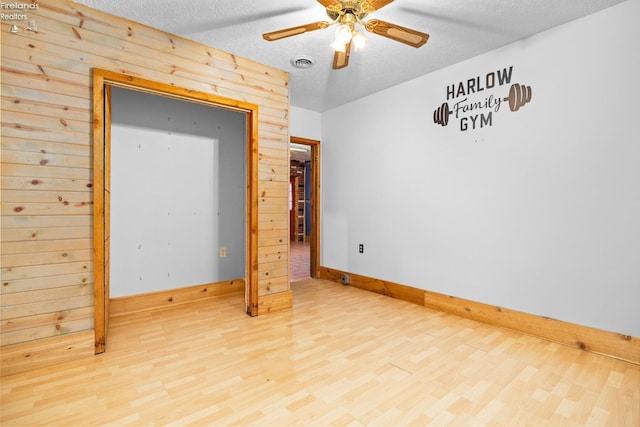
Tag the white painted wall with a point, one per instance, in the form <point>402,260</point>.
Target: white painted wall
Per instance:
<point>305,123</point>
<point>539,212</point>
<point>178,194</point>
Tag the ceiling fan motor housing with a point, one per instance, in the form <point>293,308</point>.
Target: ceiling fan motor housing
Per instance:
<point>349,10</point>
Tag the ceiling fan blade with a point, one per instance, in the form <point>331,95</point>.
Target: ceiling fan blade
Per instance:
<point>396,32</point>
<point>327,3</point>
<point>378,4</point>
<point>294,31</point>
<point>341,59</point>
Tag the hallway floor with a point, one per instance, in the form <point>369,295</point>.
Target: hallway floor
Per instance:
<point>299,260</point>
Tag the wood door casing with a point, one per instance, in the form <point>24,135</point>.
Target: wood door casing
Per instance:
<point>314,239</point>
<point>103,80</point>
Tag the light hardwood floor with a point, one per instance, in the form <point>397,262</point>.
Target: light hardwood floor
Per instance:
<point>341,357</point>
<point>299,260</point>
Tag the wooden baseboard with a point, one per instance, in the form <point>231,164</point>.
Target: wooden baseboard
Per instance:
<point>390,289</point>
<point>142,302</point>
<point>275,302</point>
<point>46,352</point>
<point>619,346</point>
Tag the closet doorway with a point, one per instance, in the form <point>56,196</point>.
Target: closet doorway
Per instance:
<point>104,83</point>
<point>304,208</point>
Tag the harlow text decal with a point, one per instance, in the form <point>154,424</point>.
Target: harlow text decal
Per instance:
<point>473,113</point>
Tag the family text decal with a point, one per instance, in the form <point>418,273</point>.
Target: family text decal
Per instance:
<point>474,113</point>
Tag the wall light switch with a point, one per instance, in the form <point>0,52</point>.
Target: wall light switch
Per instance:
<point>223,252</point>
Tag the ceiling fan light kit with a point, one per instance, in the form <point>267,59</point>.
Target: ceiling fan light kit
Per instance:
<point>343,34</point>
<point>359,41</point>
<point>346,14</point>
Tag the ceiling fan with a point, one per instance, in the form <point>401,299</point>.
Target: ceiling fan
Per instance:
<point>346,14</point>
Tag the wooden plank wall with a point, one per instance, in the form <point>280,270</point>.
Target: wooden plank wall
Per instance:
<point>46,176</point>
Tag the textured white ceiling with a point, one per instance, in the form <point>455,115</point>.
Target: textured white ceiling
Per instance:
<point>459,29</point>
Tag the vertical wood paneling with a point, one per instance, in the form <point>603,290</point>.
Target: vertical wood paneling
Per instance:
<point>47,165</point>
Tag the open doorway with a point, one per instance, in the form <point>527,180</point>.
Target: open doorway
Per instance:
<point>304,208</point>
<point>105,83</point>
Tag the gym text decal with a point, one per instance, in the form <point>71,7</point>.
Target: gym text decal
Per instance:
<point>476,114</point>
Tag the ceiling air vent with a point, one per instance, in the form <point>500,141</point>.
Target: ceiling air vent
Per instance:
<point>303,62</point>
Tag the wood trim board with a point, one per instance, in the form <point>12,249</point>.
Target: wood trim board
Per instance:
<point>611,344</point>
<point>154,300</point>
<point>275,302</point>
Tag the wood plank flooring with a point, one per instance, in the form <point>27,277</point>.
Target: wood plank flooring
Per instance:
<point>341,357</point>
<point>299,260</point>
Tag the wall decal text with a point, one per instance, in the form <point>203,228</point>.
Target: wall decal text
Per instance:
<point>476,113</point>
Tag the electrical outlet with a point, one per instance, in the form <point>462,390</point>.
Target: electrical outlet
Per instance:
<point>361,248</point>
<point>345,279</point>
<point>223,252</point>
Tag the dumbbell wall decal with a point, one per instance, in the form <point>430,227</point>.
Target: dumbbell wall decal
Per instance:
<point>519,95</point>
